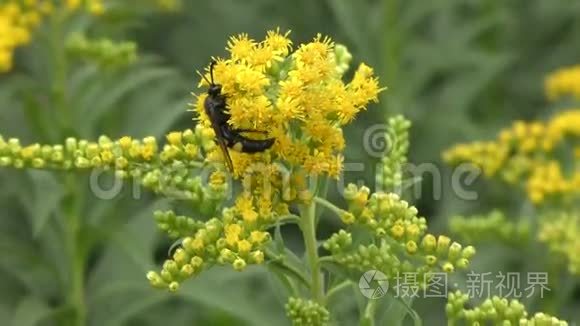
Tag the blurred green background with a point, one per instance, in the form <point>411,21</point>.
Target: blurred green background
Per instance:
<point>458,69</point>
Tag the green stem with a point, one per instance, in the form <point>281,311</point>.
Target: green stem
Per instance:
<point>76,253</point>
<point>281,263</point>
<point>336,289</point>
<point>368,318</point>
<point>59,84</point>
<point>308,226</point>
<point>391,48</point>
<point>323,202</point>
<point>73,205</point>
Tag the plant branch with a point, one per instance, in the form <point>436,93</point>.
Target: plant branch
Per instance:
<point>308,226</point>
<point>326,204</point>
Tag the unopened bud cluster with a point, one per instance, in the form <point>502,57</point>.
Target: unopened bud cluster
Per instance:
<point>303,312</point>
<point>397,137</point>
<point>216,242</point>
<point>561,233</point>
<point>491,227</point>
<point>166,171</point>
<point>494,311</point>
<point>103,52</point>
<point>399,242</point>
<point>177,226</point>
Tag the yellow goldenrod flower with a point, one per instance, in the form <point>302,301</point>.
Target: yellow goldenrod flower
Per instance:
<point>18,19</point>
<point>563,82</point>
<point>298,95</point>
<point>525,154</point>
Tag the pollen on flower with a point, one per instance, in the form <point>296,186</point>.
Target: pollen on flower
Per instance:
<point>241,46</point>
<point>304,101</point>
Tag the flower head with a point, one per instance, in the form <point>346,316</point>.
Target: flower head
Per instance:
<point>299,97</point>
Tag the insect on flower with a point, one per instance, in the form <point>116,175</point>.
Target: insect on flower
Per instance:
<point>226,137</point>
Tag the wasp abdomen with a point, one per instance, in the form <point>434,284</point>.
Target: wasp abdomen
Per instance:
<point>253,146</point>
<point>240,143</point>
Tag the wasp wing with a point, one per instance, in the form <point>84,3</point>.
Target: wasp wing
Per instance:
<point>226,154</point>
<point>219,138</point>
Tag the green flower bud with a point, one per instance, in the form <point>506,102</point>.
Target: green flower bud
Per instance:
<point>443,243</point>
<point>256,257</point>
<point>5,161</point>
<point>189,137</point>
<point>227,256</point>
<point>448,267</point>
<point>430,260</point>
<point>187,271</point>
<point>411,247</point>
<point>38,163</point>
<point>462,263</point>
<point>173,286</point>
<point>92,150</point>
<point>96,162</point>
<point>196,262</point>
<point>454,251</point>
<point>71,145</point>
<point>239,264</point>
<point>347,217</point>
<point>429,243</point>
<point>468,252</point>
<point>18,163</point>
<point>155,280</point>
<point>170,266</point>
<point>181,257</point>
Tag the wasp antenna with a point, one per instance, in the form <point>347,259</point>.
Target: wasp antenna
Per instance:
<point>211,65</point>
<point>202,76</point>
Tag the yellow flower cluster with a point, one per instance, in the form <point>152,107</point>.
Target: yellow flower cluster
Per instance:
<point>18,18</point>
<point>94,7</point>
<point>562,235</point>
<point>16,21</point>
<point>297,96</point>
<point>526,152</point>
<point>221,241</point>
<point>563,82</point>
<point>494,311</point>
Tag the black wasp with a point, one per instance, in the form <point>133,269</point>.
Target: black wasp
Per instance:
<point>216,109</point>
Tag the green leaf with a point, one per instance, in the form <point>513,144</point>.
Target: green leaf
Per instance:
<point>30,311</point>
<point>232,297</point>
<point>24,261</point>
<point>47,194</point>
